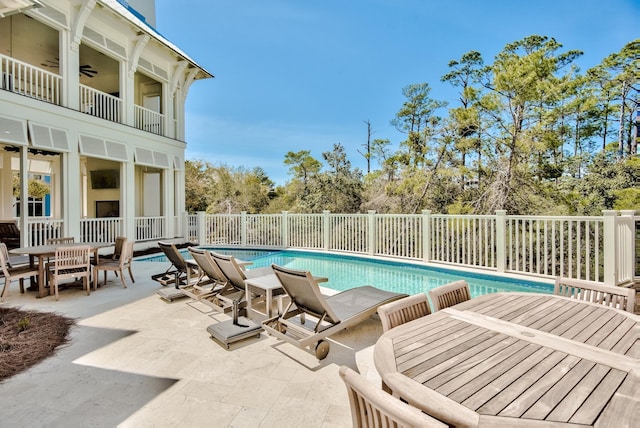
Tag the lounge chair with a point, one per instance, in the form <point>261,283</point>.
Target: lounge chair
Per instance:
<point>10,233</point>
<point>615,297</point>
<point>234,277</point>
<point>179,272</point>
<point>372,407</point>
<point>211,281</point>
<point>310,316</point>
<point>449,294</point>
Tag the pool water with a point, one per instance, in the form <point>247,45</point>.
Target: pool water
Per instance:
<point>345,272</point>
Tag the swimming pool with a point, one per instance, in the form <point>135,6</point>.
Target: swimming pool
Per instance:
<point>346,272</point>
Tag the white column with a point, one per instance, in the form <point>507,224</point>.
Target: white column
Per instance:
<point>128,197</point>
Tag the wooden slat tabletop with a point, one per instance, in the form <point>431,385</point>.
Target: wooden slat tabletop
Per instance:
<point>519,357</point>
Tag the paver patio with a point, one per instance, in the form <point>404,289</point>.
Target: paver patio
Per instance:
<point>134,360</point>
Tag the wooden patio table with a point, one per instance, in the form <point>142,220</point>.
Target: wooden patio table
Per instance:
<point>43,252</point>
<point>518,359</point>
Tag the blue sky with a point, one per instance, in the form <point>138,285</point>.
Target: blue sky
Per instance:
<point>296,75</point>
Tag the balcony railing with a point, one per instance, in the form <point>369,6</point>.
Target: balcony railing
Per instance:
<point>31,81</point>
<point>149,120</point>
<point>25,79</point>
<point>100,104</point>
<point>592,248</point>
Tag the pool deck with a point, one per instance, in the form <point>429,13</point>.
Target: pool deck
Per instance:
<point>135,361</point>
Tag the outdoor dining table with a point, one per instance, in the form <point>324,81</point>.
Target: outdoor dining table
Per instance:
<point>42,252</point>
<point>518,359</point>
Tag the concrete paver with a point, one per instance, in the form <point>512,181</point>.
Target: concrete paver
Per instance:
<point>135,361</point>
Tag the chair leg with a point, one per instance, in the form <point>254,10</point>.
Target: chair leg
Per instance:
<point>85,283</point>
<point>121,278</point>
<point>95,278</point>
<point>54,285</point>
<point>21,285</point>
<point>4,289</point>
<point>131,275</point>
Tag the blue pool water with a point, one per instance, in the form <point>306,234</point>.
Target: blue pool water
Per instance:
<point>346,272</point>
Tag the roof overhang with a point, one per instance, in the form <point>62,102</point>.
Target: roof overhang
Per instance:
<point>10,7</point>
<point>135,20</point>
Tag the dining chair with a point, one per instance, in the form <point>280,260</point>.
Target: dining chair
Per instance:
<point>71,262</point>
<point>116,265</point>
<point>117,249</point>
<point>372,407</point>
<point>12,273</point>
<point>403,310</point>
<point>449,294</point>
<point>608,295</point>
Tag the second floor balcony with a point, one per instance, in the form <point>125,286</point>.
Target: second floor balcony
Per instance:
<point>36,82</point>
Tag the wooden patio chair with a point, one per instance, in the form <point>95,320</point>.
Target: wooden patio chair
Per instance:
<point>9,234</point>
<point>595,292</point>
<point>403,310</point>
<point>12,273</point>
<point>71,262</point>
<point>116,265</point>
<point>449,294</point>
<point>372,407</point>
<point>117,249</point>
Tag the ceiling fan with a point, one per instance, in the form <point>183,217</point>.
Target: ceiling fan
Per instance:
<point>85,70</point>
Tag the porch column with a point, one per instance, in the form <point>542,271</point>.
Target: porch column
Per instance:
<point>168,203</point>
<point>71,192</point>
<point>24,197</point>
<point>69,66</point>
<point>128,195</point>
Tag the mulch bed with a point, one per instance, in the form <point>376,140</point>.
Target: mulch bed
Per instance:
<point>28,337</point>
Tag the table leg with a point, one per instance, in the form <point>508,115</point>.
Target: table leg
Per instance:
<point>33,285</point>
<point>268,304</point>
<point>42,291</point>
<point>248,299</point>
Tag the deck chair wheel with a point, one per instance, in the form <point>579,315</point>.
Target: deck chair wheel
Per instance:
<point>282,328</point>
<point>322,349</point>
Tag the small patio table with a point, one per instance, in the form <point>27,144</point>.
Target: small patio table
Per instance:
<point>44,251</point>
<point>518,359</point>
<point>271,286</point>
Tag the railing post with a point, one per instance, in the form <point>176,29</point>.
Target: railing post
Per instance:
<point>243,228</point>
<point>201,229</point>
<point>325,229</point>
<point>371,233</point>
<point>426,236</point>
<point>501,240</point>
<point>285,229</point>
<point>626,246</point>
<point>610,247</point>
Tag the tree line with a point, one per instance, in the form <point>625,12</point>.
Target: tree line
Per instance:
<point>530,134</point>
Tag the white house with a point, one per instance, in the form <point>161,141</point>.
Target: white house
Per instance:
<point>92,104</point>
